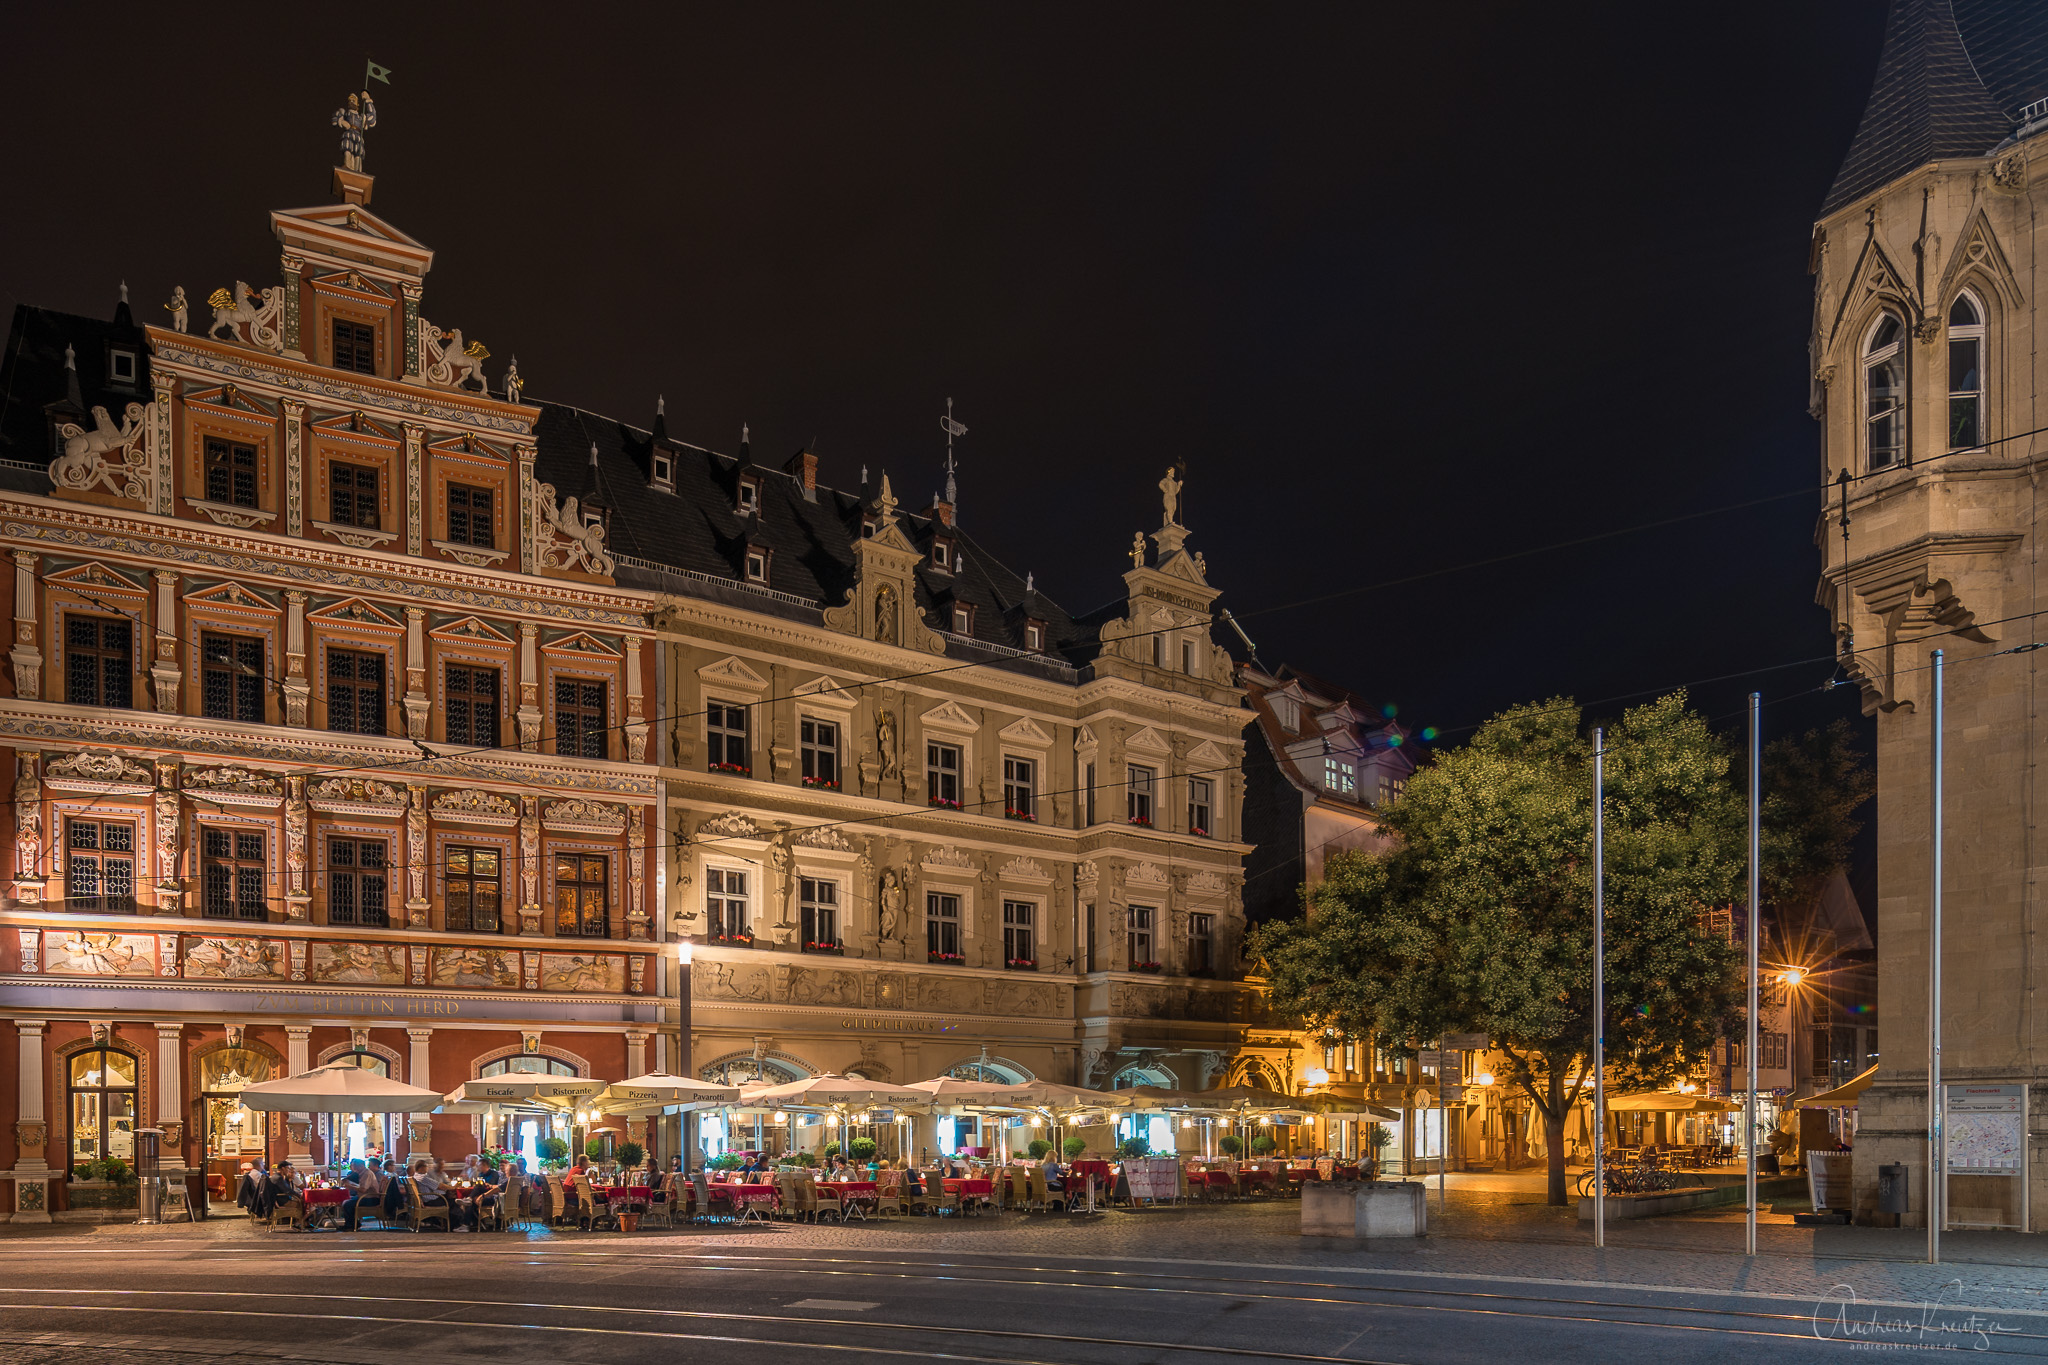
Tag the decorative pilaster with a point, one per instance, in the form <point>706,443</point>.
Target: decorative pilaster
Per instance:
<point>298,687</point>
<point>294,467</point>
<point>298,889</point>
<point>170,1093</point>
<point>168,829</point>
<point>298,1126</point>
<point>636,711</point>
<point>636,873</point>
<point>31,1131</point>
<point>293,267</point>
<point>31,941</point>
<point>27,659</point>
<point>527,561</point>
<point>414,524</point>
<point>412,330</point>
<point>529,873</point>
<point>636,1054</point>
<point>163,669</point>
<point>419,1132</point>
<point>416,903</point>
<point>159,441</point>
<point>29,845</point>
<point>529,687</point>
<point>417,703</point>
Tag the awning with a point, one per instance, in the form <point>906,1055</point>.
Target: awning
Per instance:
<point>340,1087</point>
<point>1661,1101</point>
<point>1843,1096</point>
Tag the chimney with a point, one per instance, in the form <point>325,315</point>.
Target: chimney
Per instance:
<point>940,511</point>
<point>803,467</point>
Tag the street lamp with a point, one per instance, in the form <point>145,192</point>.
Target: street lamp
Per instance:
<point>1792,976</point>
<point>1315,1075</point>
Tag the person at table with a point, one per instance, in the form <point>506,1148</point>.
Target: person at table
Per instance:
<point>433,1192</point>
<point>249,1191</point>
<point>1055,1176</point>
<point>366,1187</point>
<point>284,1186</point>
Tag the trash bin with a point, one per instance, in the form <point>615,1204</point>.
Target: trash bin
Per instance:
<point>1891,1188</point>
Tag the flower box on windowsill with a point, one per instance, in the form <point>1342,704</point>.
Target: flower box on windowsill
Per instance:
<point>1021,964</point>
<point>943,803</point>
<point>1152,967</point>
<point>830,784</point>
<point>1140,820</point>
<point>946,957</point>
<point>1023,815</point>
<point>739,769</point>
<point>732,940</point>
<point>829,949</point>
<point>1199,832</point>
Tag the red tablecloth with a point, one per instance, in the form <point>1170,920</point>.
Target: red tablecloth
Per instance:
<point>1099,1169</point>
<point>1258,1177</point>
<point>851,1187</point>
<point>750,1194</point>
<point>320,1198</point>
<point>1301,1173</point>
<point>631,1191</point>
<point>971,1189</point>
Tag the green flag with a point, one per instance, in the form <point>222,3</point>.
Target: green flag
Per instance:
<point>377,73</point>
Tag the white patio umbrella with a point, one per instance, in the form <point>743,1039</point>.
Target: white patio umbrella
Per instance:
<point>658,1090</point>
<point>525,1088</point>
<point>341,1087</point>
<point>839,1092</point>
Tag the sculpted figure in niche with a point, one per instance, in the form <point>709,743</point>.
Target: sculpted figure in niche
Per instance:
<point>885,615</point>
<point>893,897</point>
<point>885,741</point>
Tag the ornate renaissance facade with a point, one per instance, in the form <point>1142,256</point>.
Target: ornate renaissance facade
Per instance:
<point>1927,370</point>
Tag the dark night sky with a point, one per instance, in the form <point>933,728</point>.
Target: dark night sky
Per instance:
<point>1404,291</point>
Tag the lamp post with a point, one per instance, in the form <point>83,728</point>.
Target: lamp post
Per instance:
<point>686,1124</point>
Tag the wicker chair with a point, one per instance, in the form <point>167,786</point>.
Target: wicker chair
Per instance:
<point>291,1211</point>
<point>420,1213</point>
<point>594,1210</point>
<point>662,1203</point>
<point>824,1200</point>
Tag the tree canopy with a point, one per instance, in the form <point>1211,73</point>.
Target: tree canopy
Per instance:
<point>1481,917</point>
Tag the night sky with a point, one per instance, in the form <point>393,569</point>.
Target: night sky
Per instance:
<point>1404,292</point>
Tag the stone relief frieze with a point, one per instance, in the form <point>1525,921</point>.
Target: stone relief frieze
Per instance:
<point>378,963</point>
<point>81,954</point>
<point>582,972</point>
<point>485,968</point>
<point>235,959</point>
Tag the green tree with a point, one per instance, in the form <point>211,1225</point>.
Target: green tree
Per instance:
<point>1481,918</point>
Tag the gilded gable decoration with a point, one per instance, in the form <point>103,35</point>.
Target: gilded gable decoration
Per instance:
<point>563,540</point>
<point>584,817</point>
<point>105,772</point>
<point>476,808</point>
<point>452,362</point>
<point>235,787</point>
<point>358,796</point>
<point>106,456</point>
<point>250,318</point>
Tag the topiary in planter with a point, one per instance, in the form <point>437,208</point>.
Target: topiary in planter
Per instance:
<point>831,1150</point>
<point>594,1149</point>
<point>1073,1147</point>
<point>863,1149</point>
<point>631,1154</point>
<point>554,1151</point>
<point>1134,1148</point>
<point>1038,1147</point>
<point>1261,1145</point>
<point>1231,1144</point>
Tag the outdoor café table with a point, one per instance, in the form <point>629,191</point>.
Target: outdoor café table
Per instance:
<point>968,1188</point>
<point>856,1197</point>
<point>1252,1175</point>
<point>323,1203</point>
<point>748,1199</point>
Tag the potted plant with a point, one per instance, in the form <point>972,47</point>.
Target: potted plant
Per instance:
<point>1074,1146</point>
<point>1134,1148</point>
<point>831,1150</point>
<point>731,1161</point>
<point>1231,1144</point>
<point>625,1207</point>
<point>943,803</point>
<point>1151,967</point>
<point>1010,813</point>
<point>740,768</point>
<point>554,1152</point>
<point>1378,1139</point>
<point>1144,820</point>
<point>1021,964</point>
<point>806,1159</point>
<point>863,1149</point>
<point>832,949</point>
<point>1037,1148</point>
<point>1262,1145</point>
<point>830,784</point>
<point>936,956</point>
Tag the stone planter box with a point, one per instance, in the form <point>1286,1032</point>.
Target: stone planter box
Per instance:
<point>1364,1211</point>
<point>104,1194</point>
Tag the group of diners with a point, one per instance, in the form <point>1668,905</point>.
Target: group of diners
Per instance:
<point>387,1189</point>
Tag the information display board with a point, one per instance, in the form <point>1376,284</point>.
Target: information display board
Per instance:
<point>1984,1155</point>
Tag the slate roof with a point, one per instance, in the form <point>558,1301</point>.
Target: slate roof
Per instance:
<point>1951,82</point>
<point>35,389</point>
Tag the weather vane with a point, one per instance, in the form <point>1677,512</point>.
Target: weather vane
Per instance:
<point>952,429</point>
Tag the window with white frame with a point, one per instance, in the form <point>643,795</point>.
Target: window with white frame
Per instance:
<point>942,926</point>
<point>942,774</point>
<point>942,554</point>
<point>1139,937</point>
<point>757,566</point>
<point>1201,805</point>
<point>120,366</point>
<point>749,494</point>
<point>725,729</point>
<point>1965,374</point>
<point>1884,393</point>
<point>1140,784</point>
<point>1391,788</point>
<point>818,741</point>
<point>1287,711</point>
<point>818,909</point>
<point>725,905</point>
<point>1020,781</point>
<point>963,619</point>
<point>1020,950</point>
<point>1034,636</point>
<point>1340,776</point>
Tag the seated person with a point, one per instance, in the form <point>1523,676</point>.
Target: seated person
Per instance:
<point>284,1186</point>
<point>366,1188</point>
<point>249,1192</point>
<point>433,1194</point>
<point>393,1196</point>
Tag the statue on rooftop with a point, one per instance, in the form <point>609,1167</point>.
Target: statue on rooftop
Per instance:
<point>354,121</point>
<point>1169,490</point>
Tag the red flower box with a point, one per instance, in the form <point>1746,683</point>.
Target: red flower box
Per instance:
<point>1021,964</point>
<point>943,803</point>
<point>1139,820</point>
<point>827,783</point>
<point>1199,832</point>
<point>946,957</point>
<point>1144,966</point>
<point>1009,814</point>
<point>834,948</point>
<point>742,769</point>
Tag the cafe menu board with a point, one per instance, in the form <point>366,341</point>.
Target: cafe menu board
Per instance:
<point>1985,1129</point>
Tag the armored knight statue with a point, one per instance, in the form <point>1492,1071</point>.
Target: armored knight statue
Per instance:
<point>354,121</point>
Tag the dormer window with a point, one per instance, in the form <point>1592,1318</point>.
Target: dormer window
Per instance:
<point>757,566</point>
<point>963,619</point>
<point>867,528</point>
<point>355,347</point>
<point>664,472</point>
<point>121,366</point>
<point>1287,711</point>
<point>1034,636</point>
<point>1340,777</point>
<point>750,495</point>
<point>942,555</point>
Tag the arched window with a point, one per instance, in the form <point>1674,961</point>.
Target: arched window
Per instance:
<point>102,1105</point>
<point>1965,373</point>
<point>1884,392</point>
<point>526,1064</point>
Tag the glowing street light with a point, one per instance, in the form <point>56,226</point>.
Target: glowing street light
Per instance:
<point>1792,976</point>
<point>1315,1075</point>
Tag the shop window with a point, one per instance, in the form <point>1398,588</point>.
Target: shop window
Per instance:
<point>99,866</point>
<point>358,885</point>
<point>942,774</point>
<point>1139,937</point>
<point>1201,943</point>
<point>232,1130</point>
<point>102,1105</point>
<point>352,495</point>
<point>819,742</point>
<point>1020,946</point>
<point>231,677</point>
<point>818,900</point>
<point>725,905</point>
<point>355,347</point>
<point>1020,782</point>
<point>99,659</point>
<point>355,692</point>
<point>230,473</point>
<point>472,705</point>
<point>942,926</point>
<point>469,516</point>
<point>474,897</point>
<point>233,874</point>
<point>579,718</point>
<point>1139,784</point>
<point>581,882</point>
<point>1201,805</point>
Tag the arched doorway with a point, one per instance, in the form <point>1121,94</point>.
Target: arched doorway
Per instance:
<point>720,1131</point>
<point>234,1133</point>
<point>103,1102</point>
<point>1159,1130</point>
<point>522,1134</point>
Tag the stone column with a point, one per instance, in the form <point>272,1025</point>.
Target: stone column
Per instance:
<point>294,468</point>
<point>170,1096</point>
<point>417,703</point>
<point>31,1130</point>
<point>415,523</point>
<point>416,902</point>
<point>527,556</point>
<point>292,267</point>
<point>27,659</point>
<point>159,438</point>
<point>419,1130</point>
<point>636,1054</point>
<point>636,714</point>
<point>298,1125</point>
<point>298,687</point>
<point>529,687</point>
<point>412,330</point>
<point>164,671</point>
<point>298,886</point>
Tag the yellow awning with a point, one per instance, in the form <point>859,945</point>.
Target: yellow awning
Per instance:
<point>1843,1096</point>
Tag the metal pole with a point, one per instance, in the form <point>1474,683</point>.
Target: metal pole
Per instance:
<point>1935,1202</point>
<point>1599,991</point>
<point>1756,787</point>
<point>1443,1136</point>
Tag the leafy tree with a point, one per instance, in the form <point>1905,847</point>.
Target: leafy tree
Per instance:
<point>1481,918</point>
<point>1813,786</point>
